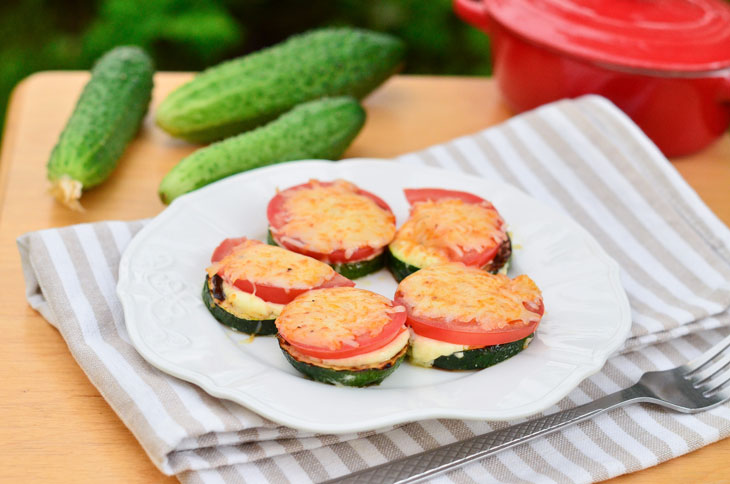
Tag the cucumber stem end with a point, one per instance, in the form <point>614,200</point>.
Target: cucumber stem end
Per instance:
<point>67,191</point>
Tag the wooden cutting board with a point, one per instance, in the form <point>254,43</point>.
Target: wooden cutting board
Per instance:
<point>54,425</point>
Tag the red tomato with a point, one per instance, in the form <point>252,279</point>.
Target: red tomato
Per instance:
<point>227,246</point>
<point>474,258</point>
<point>471,258</point>
<point>366,343</point>
<point>277,218</point>
<point>268,293</point>
<point>279,295</point>
<point>471,335</point>
<point>414,195</point>
<point>432,329</point>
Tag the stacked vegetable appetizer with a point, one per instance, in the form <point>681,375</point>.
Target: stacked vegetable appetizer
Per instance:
<point>334,222</point>
<point>449,226</point>
<point>454,308</point>
<point>248,283</point>
<point>462,318</point>
<point>344,335</point>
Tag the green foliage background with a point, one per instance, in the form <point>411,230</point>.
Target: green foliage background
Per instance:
<point>193,34</point>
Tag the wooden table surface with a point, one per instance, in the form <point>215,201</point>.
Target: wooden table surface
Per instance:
<point>54,425</point>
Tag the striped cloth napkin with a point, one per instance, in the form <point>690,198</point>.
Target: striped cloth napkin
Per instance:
<point>584,157</point>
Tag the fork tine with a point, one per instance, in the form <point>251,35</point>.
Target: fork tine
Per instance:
<point>722,394</point>
<point>708,355</point>
<point>700,376</point>
<point>715,383</point>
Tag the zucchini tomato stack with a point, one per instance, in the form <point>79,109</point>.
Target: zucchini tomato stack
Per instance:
<point>333,222</point>
<point>463,318</point>
<point>449,226</point>
<point>249,282</point>
<point>343,335</point>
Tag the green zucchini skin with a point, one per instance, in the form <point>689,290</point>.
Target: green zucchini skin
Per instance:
<point>398,268</point>
<point>107,116</point>
<point>402,269</point>
<point>355,270</point>
<point>478,358</point>
<point>351,270</point>
<point>257,327</point>
<point>355,377</point>
<point>250,91</point>
<point>321,129</point>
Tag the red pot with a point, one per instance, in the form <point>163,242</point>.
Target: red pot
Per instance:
<point>666,63</point>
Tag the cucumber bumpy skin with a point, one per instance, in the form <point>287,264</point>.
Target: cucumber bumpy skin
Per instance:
<point>321,129</point>
<point>247,92</point>
<point>106,117</point>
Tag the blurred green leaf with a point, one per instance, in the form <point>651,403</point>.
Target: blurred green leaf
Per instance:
<point>194,34</point>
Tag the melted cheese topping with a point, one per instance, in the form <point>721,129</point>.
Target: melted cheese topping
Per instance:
<point>424,351</point>
<point>333,317</point>
<point>438,230</point>
<point>334,217</point>
<point>366,359</point>
<point>468,297</point>
<point>272,266</point>
<point>248,306</point>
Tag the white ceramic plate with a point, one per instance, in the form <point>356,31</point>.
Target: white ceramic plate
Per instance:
<point>161,276</point>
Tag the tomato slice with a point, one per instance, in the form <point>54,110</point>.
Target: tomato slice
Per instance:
<point>415,195</point>
<point>276,215</point>
<point>462,336</point>
<point>471,258</point>
<point>366,343</point>
<point>336,257</point>
<point>272,294</point>
<point>227,246</point>
<point>278,295</point>
<point>470,334</point>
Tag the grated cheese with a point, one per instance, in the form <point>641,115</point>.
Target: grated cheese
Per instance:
<point>247,306</point>
<point>272,266</point>
<point>333,317</point>
<point>468,297</point>
<point>326,218</point>
<point>439,230</point>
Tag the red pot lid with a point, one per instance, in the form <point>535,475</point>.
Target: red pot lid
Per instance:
<point>676,35</point>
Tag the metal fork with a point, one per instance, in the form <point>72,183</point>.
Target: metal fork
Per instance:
<point>698,385</point>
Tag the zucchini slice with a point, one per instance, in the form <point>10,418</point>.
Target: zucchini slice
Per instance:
<point>399,268</point>
<point>361,376</point>
<point>351,270</point>
<point>402,269</point>
<point>478,358</point>
<point>213,294</point>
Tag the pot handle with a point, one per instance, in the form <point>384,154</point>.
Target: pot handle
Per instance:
<point>473,12</point>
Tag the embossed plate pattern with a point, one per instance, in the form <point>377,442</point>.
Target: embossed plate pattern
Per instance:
<point>161,274</point>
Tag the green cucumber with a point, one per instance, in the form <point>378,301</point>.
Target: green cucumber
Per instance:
<point>499,265</point>
<point>258,327</point>
<point>478,358</point>
<point>351,377</point>
<point>351,270</point>
<point>106,117</point>
<point>250,91</point>
<point>321,129</point>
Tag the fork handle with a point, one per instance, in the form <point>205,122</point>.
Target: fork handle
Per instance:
<point>431,462</point>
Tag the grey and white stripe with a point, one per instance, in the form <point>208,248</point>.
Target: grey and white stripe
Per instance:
<point>583,157</point>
